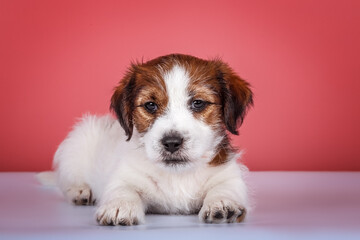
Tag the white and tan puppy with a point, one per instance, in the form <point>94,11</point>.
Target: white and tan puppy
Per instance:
<point>174,156</point>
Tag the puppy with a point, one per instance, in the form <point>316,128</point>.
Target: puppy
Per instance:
<point>170,154</point>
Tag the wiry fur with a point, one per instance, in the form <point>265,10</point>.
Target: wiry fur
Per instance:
<point>128,173</point>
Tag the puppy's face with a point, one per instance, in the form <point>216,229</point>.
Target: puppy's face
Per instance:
<point>181,107</point>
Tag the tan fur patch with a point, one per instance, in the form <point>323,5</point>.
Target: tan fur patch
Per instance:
<point>204,86</point>
<point>242,216</point>
<point>220,158</point>
<point>212,113</point>
<point>151,88</point>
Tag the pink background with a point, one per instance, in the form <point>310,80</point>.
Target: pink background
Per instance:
<point>60,59</point>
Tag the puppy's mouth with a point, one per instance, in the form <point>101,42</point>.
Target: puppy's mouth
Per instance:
<point>175,161</point>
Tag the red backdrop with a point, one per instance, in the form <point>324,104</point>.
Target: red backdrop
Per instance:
<point>60,59</point>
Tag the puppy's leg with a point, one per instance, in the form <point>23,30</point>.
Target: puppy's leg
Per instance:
<point>225,203</point>
<point>121,206</point>
<point>75,160</point>
<point>71,171</point>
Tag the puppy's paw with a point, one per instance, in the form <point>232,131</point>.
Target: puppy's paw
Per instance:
<point>118,212</point>
<point>222,212</point>
<point>80,195</point>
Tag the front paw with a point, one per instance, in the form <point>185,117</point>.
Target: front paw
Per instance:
<point>222,212</point>
<point>119,212</point>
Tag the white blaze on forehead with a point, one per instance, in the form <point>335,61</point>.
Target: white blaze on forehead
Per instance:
<point>176,81</point>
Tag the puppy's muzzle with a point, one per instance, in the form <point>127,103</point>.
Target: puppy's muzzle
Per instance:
<point>172,143</point>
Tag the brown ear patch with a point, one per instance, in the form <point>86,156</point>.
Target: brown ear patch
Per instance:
<point>236,97</point>
<point>122,102</point>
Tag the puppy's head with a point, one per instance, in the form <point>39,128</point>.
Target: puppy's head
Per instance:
<point>181,106</point>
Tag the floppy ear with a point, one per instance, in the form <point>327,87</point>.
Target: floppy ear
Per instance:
<point>236,97</point>
<point>122,102</point>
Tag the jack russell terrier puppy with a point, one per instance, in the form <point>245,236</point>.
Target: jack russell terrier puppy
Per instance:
<point>170,154</point>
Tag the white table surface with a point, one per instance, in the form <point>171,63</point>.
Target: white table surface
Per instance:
<point>289,205</point>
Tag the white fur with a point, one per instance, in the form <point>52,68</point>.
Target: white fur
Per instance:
<point>128,178</point>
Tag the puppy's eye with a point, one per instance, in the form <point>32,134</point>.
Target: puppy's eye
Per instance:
<point>151,107</point>
<point>198,105</point>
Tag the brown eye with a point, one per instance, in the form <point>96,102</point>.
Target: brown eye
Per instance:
<point>151,107</point>
<point>198,105</point>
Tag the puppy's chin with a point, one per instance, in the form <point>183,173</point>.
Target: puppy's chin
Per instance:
<point>176,162</point>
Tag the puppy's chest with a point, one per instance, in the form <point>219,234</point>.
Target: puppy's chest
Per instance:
<point>176,196</point>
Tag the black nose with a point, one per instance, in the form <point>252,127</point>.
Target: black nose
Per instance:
<point>172,143</point>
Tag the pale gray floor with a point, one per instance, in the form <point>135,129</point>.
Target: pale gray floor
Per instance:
<point>289,205</point>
